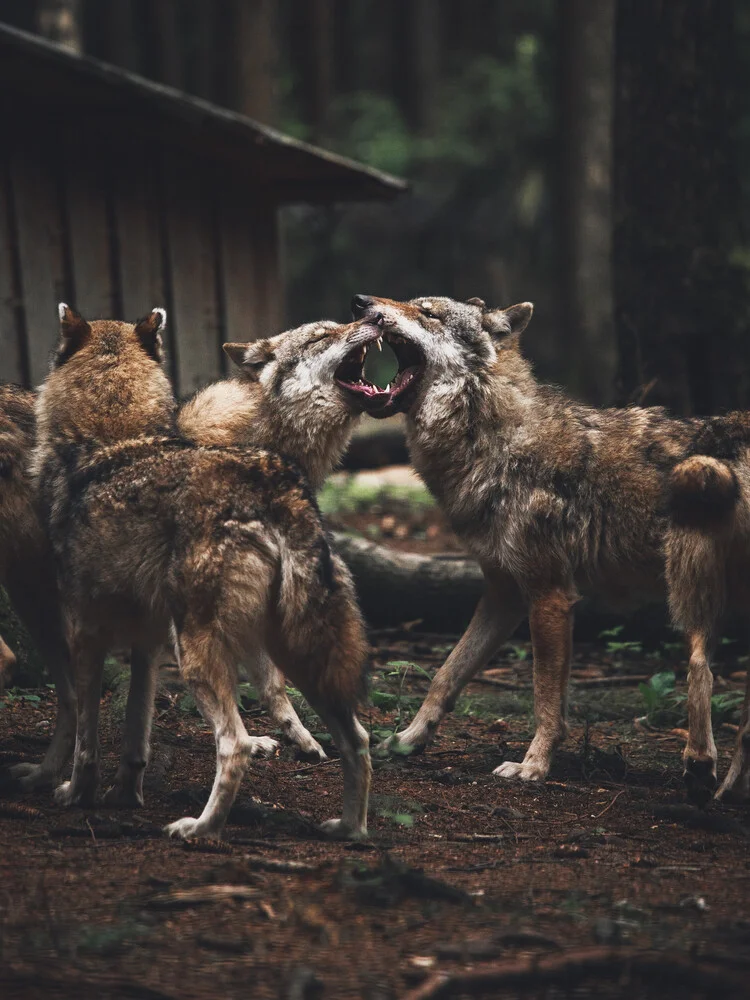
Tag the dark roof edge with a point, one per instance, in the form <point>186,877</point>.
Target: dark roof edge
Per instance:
<point>186,105</point>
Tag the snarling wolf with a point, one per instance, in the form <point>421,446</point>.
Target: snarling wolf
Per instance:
<point>708,563</point>
<point>291,395</point>
<point>27,573</point>
<point>555,499</point>
<point>223,547</point>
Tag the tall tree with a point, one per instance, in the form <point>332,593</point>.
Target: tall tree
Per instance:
<point>585,219</point>
<point>60,21</point>
<point>250,45</point>
<point>682,312</point>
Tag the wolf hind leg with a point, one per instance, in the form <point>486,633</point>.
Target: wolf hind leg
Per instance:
<point>736,785</point>
<point>696,586</point>
<point>322,648</point>
<point>87,654</point>
<point>127,788</point>
<point>208,668</point>
<point>699,756</point>
<point>551,624</point>
<point>497,616</point>
<point>272,690</point>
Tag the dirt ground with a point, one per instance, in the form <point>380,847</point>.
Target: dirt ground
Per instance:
<point>601,882</point>
<point>605,855</point>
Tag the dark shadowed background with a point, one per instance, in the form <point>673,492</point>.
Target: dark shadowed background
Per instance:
<point>589,155</point>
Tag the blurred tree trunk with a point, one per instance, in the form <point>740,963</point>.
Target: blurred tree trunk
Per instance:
<point>250,47</point>
<point>422,62</point>
<point>60,21</point>
<point>312,41</point>
<point>681,304</point>
<point>586,107</point>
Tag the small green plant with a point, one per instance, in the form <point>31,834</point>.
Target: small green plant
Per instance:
<point>724,707</point>
<point>666,707</point>
<point>18,694</point>
<point>399,811</point>
<point>661,700</point>
<point>517,652</point>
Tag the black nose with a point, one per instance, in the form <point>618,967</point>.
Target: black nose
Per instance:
<point>360,305</point>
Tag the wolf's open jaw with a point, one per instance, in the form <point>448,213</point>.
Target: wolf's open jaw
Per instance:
<point>350,375</point>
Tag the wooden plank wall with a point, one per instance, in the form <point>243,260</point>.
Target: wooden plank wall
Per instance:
<point>116,235</point>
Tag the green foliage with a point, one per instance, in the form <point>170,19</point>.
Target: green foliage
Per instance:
<point>350,495</point>
<point>666,707</point>
<point>400,811</point>
<point>17,694</point>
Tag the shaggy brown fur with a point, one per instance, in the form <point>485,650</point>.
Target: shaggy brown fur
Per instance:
<point>27,573</point>
<point>285,397</point>
<point>223,546</point>
<point>708,559</point>
<point>555,499</point>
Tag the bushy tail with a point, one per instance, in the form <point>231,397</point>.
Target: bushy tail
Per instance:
<point>703,493</point>
<point>322,636</point>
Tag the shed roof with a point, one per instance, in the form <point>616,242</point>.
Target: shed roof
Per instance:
<point>63,83</point>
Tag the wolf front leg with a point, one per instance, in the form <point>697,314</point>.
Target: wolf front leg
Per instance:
<point>87,653</point>
<point>551,624</point>
<point>272,690</point>
<point>497,616</point>
<point>127,789</point>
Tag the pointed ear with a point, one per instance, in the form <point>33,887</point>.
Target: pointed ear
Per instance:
<point>149,330</point>
<point>73,331</point>
<point>250,357</point>
<point>508,322</point>
<point>476,302</point>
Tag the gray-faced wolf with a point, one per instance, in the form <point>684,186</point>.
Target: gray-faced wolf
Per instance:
<point>221,546</point>
<point>553,498</point>
<point>28,575</point>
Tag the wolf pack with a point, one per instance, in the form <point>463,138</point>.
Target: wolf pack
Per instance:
<point>129,521</point>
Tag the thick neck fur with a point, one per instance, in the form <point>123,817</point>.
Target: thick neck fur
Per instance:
<point>97,400</point>
<point>457,425</point>
<point>313,429</point>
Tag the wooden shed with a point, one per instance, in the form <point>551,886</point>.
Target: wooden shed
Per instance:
<point>119,194</point>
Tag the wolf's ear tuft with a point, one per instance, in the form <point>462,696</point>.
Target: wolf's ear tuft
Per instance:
<point>73,331</point>
<point>510,322</point>
<point>250,357</point>
<point>476,302</point>
<point>148,330</point>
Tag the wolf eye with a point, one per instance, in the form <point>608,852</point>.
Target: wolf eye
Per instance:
<point>426,309</point>
<point>316,340</point>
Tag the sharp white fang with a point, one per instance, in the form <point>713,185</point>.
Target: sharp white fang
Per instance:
<point>379,343</point>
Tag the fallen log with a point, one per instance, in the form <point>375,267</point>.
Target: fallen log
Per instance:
<point>442,591</point>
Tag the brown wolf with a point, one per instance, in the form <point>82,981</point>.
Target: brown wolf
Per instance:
<point>708,558</point>
<point>301,394</point>
<point>221,546</point>
<point>27,573</point>
<point>285,397</point>
<point>552,497</point>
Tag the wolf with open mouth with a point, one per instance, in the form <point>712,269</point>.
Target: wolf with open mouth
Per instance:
<point>554,499</point>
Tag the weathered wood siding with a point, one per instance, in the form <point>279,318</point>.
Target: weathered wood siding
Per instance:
<point>120,233</point>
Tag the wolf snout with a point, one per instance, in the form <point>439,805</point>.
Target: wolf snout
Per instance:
<point>360,305</point>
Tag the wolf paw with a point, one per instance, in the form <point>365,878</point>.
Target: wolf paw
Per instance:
<point>26,777</point>
<point>400,745</point>
<point>122,797</point>
<point>309,748</point>
<point>523,772</point>
<point>262,746</point>
<point>67,794</point>
<point>700,779</point>
<point>188,828</point>
<point>336,829</point>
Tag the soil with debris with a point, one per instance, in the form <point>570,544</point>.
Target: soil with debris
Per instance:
<point>601,882</point>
